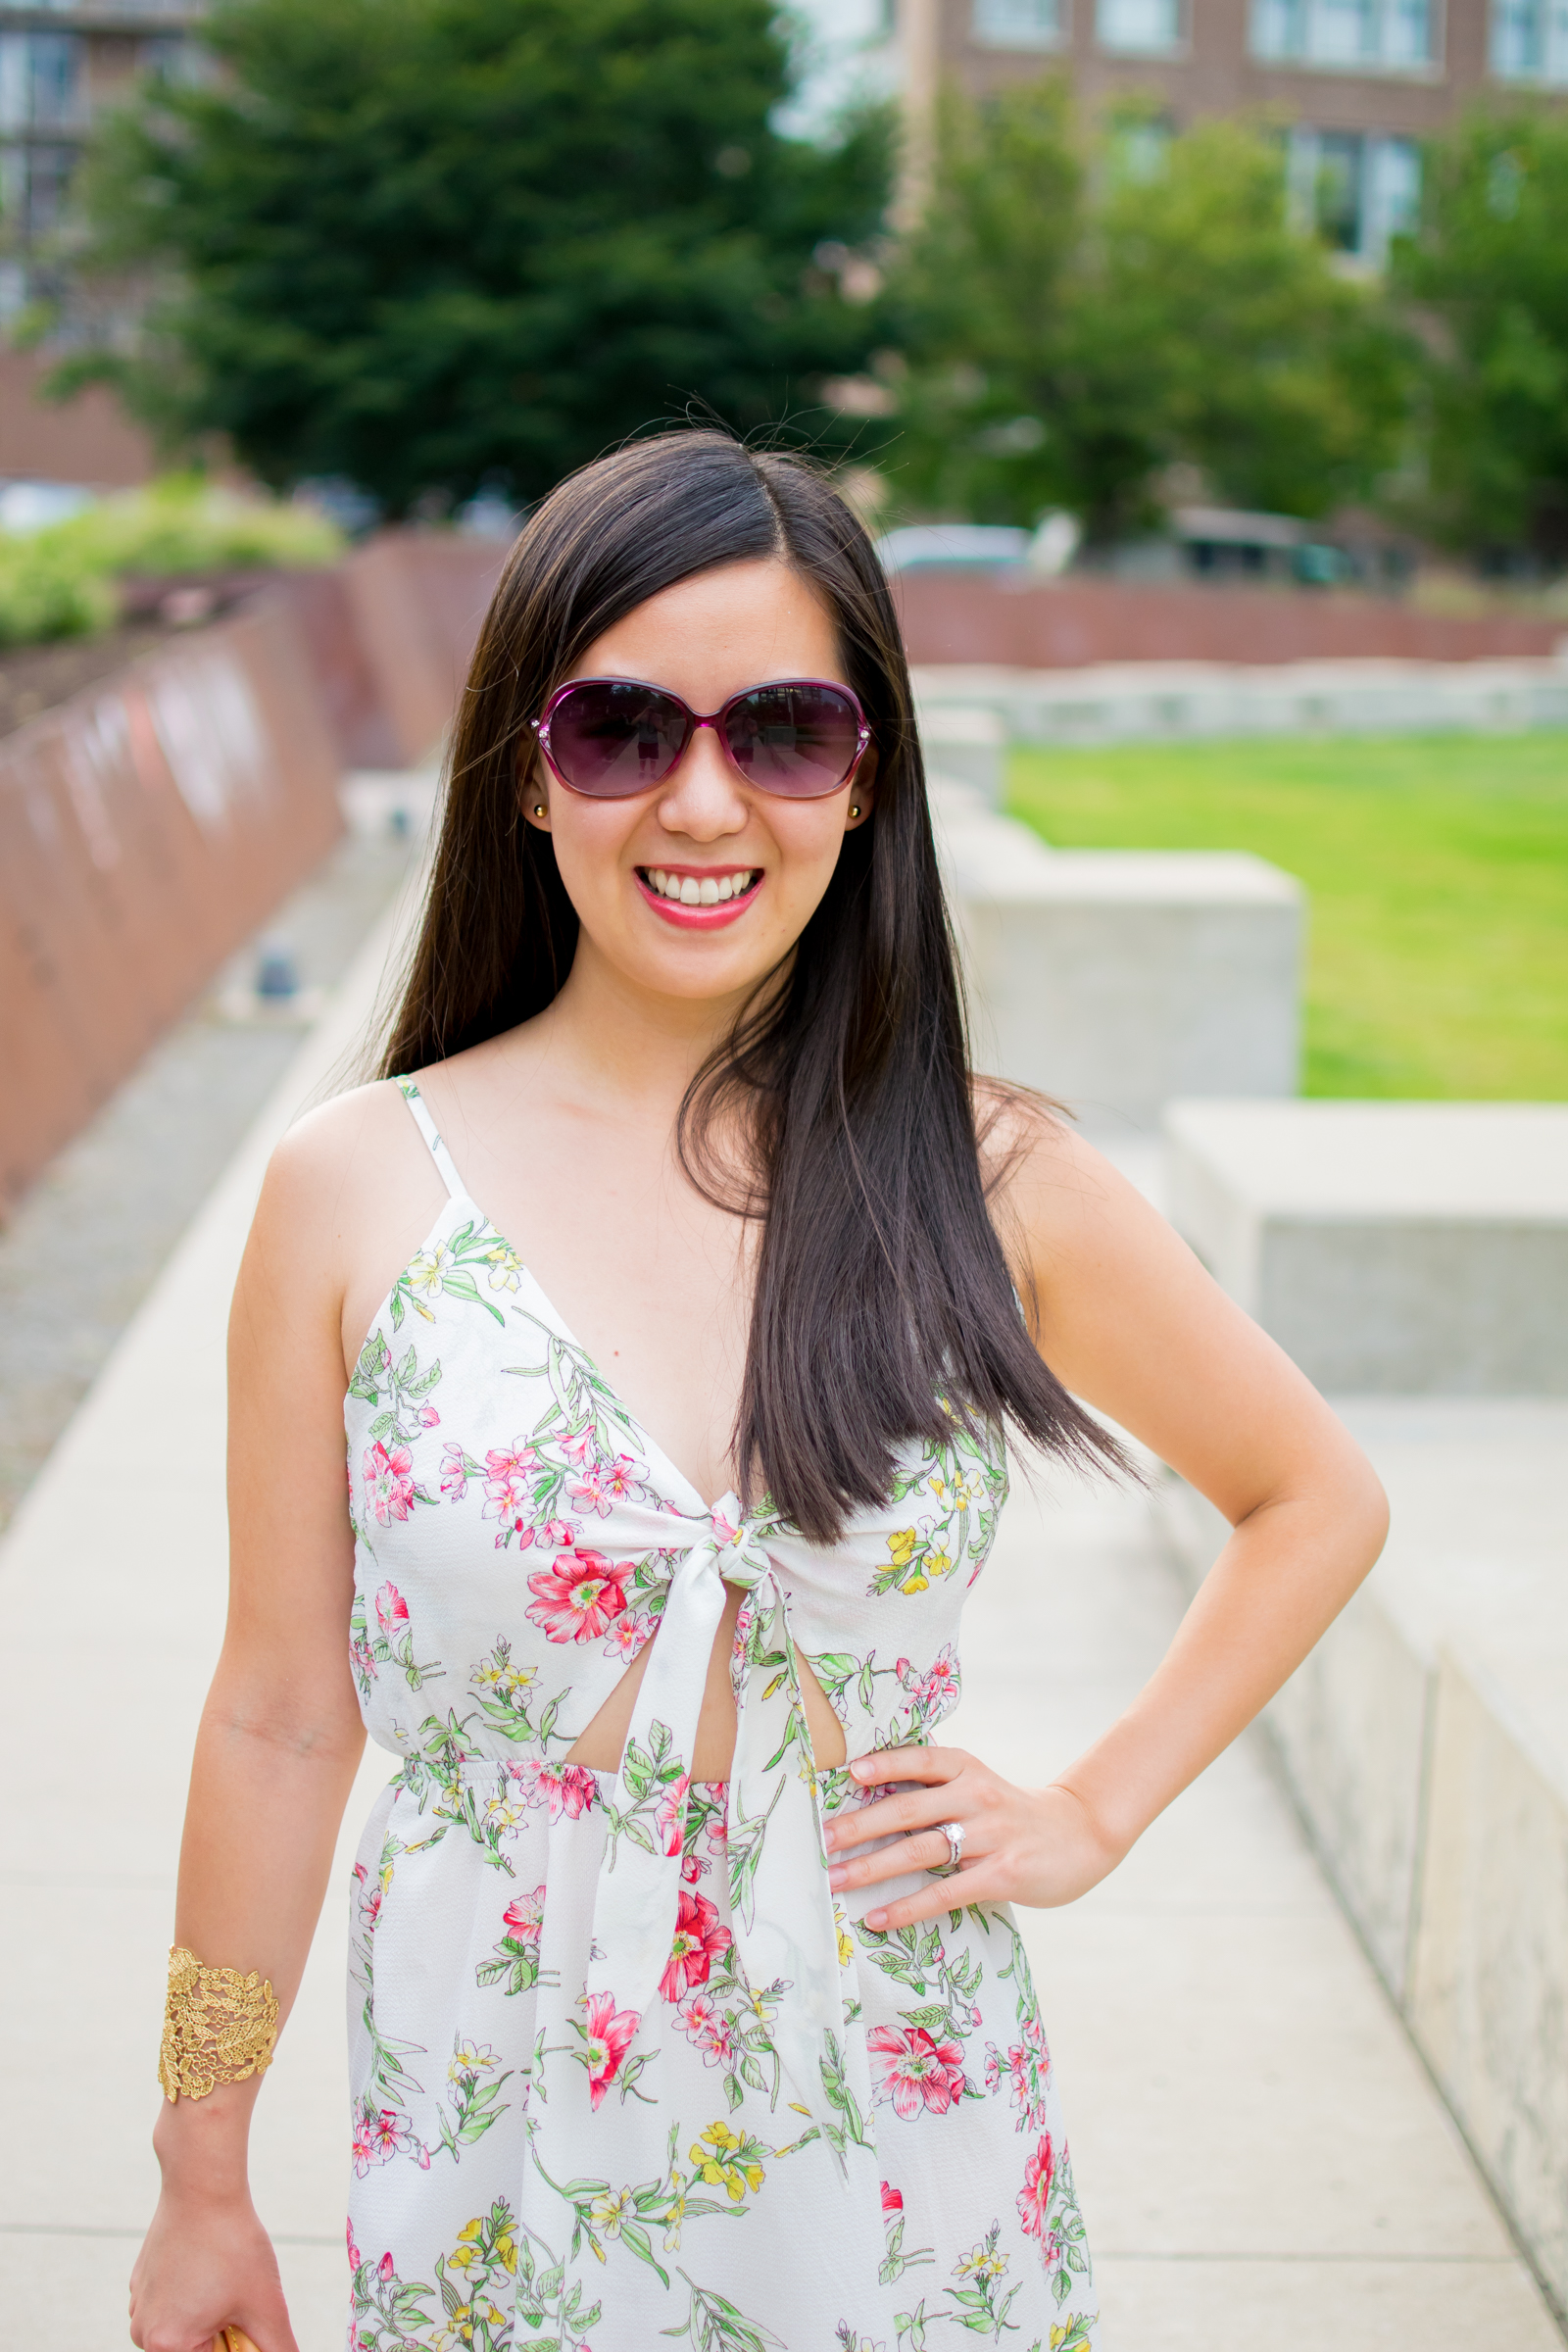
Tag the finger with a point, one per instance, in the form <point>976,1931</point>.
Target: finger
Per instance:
<point>955,1894</point>
<point>928,1851</point>
<point>908,1764</point>
<point>896,1816</point>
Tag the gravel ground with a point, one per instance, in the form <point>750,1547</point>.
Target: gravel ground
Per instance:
<point>86,1244</point>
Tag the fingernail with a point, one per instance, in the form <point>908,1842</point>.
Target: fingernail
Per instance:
<point>829,1838</point>
<point>836,1875</point>
<point>876,1919</point>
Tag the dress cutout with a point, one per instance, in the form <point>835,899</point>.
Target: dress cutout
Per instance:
<point>623,2066</point>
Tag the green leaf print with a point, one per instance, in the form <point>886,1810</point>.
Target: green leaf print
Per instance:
<point>715,2324</point>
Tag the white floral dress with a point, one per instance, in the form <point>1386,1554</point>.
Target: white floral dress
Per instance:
<point>623,2070</point>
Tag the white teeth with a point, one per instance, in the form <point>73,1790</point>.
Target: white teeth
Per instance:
<point>687,891</point>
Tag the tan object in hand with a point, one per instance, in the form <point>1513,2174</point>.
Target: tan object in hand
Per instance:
<point>232,2339</point>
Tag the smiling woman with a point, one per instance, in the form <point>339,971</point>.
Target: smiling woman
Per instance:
<point>672,1271</point>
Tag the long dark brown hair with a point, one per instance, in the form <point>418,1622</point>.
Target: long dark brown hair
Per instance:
<point>883,1305</point>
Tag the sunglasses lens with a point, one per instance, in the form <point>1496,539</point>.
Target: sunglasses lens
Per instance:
<point>800,741</point>
<point>610,738</point>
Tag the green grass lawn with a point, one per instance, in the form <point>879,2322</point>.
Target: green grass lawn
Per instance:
<point>1438,873</point>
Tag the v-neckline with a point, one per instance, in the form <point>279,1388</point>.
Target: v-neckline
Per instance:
<point>638,1428</point>
<point>460,1197</point>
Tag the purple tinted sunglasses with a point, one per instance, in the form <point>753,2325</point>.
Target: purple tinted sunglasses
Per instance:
<point>611,737</point>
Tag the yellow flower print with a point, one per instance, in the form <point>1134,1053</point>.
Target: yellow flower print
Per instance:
<point>428,1271</point>
<point>938,1563</point>
<point>506,1267</point>
<point>965,1491</point>
<point>982,2262</point>
<point>915,1584</point>
<point>902,1544</point>
<point>676,2216</point>
<point>507,2248</point>
<point>506,1678</point>
<point>846,1940</point>
<point>611,2212</point>
<point>727,2161</point>
<point>503,1813</point>
<point>938,1484</point>
<point>471,2059</point>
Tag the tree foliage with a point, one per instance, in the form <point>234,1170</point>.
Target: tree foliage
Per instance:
<point>1488,271</point>
<point>1077,316</point>
<point>436,244</point>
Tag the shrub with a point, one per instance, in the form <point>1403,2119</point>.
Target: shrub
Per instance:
<point>60,582</point>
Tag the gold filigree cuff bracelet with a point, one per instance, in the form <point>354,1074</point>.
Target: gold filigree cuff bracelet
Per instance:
<point>219,2027</point>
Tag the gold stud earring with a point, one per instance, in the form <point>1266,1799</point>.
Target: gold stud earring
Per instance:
<point>538,808</point>
<point>854,808</point>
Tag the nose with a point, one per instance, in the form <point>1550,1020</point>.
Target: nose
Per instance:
<point>703,797</point>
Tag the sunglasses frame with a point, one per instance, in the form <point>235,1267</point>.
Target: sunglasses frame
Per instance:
<point>714,719</point>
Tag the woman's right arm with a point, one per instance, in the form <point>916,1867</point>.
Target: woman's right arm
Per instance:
<point>279,1740</point>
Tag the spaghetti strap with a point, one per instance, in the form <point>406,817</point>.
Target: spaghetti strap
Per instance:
<point>428,1129</point>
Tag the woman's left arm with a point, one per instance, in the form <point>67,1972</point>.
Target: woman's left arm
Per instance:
<point>1130,1322</point>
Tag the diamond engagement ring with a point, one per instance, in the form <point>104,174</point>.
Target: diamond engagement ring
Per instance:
<point>954,1831</point>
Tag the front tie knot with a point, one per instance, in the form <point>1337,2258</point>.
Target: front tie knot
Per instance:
<point>786,1936</point>
<point>738,1554</point>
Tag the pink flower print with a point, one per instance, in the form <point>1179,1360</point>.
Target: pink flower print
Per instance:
<point>453,1471</point>
<point>671,1815</point>
<point>429,1418</point>
<point>707,2028</point>
<point>892,2199</point>
<point>577,1595</point>
<point>524,1918</point>
<point>391,1609</point>
<point>914,2072</point>
<point>510,1473</point>
<point>381,2134</point>
<point>589,1494</point>
<point>580,1448</point>
<point>355,2256</point>
<point>385,2268</point>
<point>566,1789</point>
<point>1035,2194</point>
<point>560,1533</point>
<point>608,2035</point>
<point>628,1633</point>
<point>938,1687</point>
<point>700,1938</point>
<point>389,1481</point>
<point>620,1477</point>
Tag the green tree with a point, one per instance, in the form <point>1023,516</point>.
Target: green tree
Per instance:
<point>433,244</point>
<point>1077,316</point>
<point>1486,270</point>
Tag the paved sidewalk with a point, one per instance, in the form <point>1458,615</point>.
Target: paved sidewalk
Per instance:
<point>1263,2166</point>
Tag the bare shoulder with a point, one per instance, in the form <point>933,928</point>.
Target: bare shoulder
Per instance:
<point>1047,1185</point>
<point>350,1193</point>
<point>331,1159</point>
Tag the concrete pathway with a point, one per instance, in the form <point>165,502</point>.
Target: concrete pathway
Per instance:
<point>1263,2164</point>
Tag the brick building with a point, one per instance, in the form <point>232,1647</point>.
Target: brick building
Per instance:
<point>60,66</point>
<point>1354,84</point>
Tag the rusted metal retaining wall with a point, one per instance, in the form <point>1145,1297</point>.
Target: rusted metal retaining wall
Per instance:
<point>956,616</point>
<point>146,828</point>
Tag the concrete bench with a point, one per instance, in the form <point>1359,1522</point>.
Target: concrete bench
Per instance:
<point>1151,702</point>
<point>1409,1248</point>
<point>1414,1258</point>
<point>1115,979</point>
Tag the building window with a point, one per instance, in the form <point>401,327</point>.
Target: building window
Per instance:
<point>1356,35</point>
<point>40,81</point>
<point>1018,24</point>
<point>1140,27</point>
<point>1356,191</point>
<point>1530,41</point>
